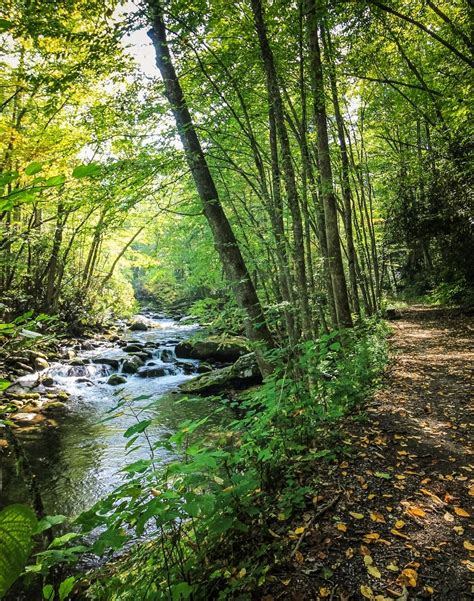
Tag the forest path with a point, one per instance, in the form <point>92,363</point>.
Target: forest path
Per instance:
<point>401,527</point>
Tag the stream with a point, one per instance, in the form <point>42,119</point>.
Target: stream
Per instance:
<point>79,459</point>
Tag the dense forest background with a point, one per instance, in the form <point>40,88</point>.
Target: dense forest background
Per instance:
<point>288,171</point>
<point>350,121</point>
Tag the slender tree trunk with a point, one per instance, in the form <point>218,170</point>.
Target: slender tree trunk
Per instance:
<point>224,238</point>
<point>339,287</point>
<point>345,179</point>
<point>275,101</point>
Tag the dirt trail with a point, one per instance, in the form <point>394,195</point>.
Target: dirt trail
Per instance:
<point>402,526</point>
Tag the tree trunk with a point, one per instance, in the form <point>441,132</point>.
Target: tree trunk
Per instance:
<point>336,267</point>
<point>275,101</point>
<point>224,238</point>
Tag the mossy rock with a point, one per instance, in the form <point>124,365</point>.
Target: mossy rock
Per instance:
<point>214,348</point>
<point>242,374</point>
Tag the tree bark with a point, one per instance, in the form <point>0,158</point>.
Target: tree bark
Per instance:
<point>224,239</point>
<point>336,267</point>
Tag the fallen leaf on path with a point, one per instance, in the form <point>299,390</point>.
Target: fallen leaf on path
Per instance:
<point>408,577</point>
<point>399,524</point>
<point>448,517</point>
<point>300,530</point>
<point>324,591</point>
<point>371,536</point>
<point>342,527</point>
<point>393,567</point>
<point>357,516</point>
<point>469,564</point>
<point>299,557</point>
<point>461,512</point>
<point>377,517</point>
<point>374,571</point>
<point>382,475</point>
<point>367,592</point>
<point>396,532</point>
<point>416,511</point>
<point>467,545</point>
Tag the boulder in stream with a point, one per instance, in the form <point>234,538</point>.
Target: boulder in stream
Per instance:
<point>131,364</point>
<point>242,374</point>
<point>116,380</point>
<point>152,372</point>
<point>213,348</point>
<point>138,326</point>
<point>133,348</point>
<point>113,363</point>
<point>41,363</point>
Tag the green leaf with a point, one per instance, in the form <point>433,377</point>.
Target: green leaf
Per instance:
<point>382,475</point>
<point>33,168</point>
<point>139,466</point>
<point>137,428</point>
<point>49,521</point>
<point>66,587</point>
<point>5,25</point>
<point>17,526</point>
<point>181,591</point>
<point>86,170</point>
<point>48,592</point>
<point>55,180</point>
<point>8,177</point>
<point>4,384</point>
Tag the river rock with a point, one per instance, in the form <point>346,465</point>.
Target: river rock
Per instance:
<point>76,362</point>
<point>152,372</point>
<point>131,365</point>
<point>37,355</point>
<point>242,374</point>
<point>24,367</point>
<point>113,363</point>
<point>48,382</point>
<point>167,356</point>
<point>27,418</point>
<point>217,349</point>
<point>116,380</point>
<point>53,407</point>
<point>133,348</point>
<point>41,363</point>
<point>138,326</point>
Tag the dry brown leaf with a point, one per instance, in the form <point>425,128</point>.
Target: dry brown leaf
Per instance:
<point>349,553</point>
<point>299,557</point>
<point>416,511</point>
<point>377,517</point>
<point>461,512</point>
<point>408,577</point>
<point>374,571</point>
<point>458,530</point>
<point>324,591</point>
<point>448,517</point>
<point>469,564</point>
<point>396,532</point>
<point>399,524</point>
<point>300,530</point>
<point>371,536</point>
<point>467,545</point>
<point>367,592</point>
<point>342,527</point>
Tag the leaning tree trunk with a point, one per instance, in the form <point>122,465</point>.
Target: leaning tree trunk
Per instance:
<point>224,239</point>
<point>336,267</point>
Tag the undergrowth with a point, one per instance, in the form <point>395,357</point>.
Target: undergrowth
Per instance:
<point>207,515</point>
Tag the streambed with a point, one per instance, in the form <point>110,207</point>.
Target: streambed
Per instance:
<point>79,460</point>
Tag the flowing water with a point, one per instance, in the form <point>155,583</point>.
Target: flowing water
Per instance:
<point>80,459</point>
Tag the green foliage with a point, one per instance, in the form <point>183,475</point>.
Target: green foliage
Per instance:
<point>17,526</point>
